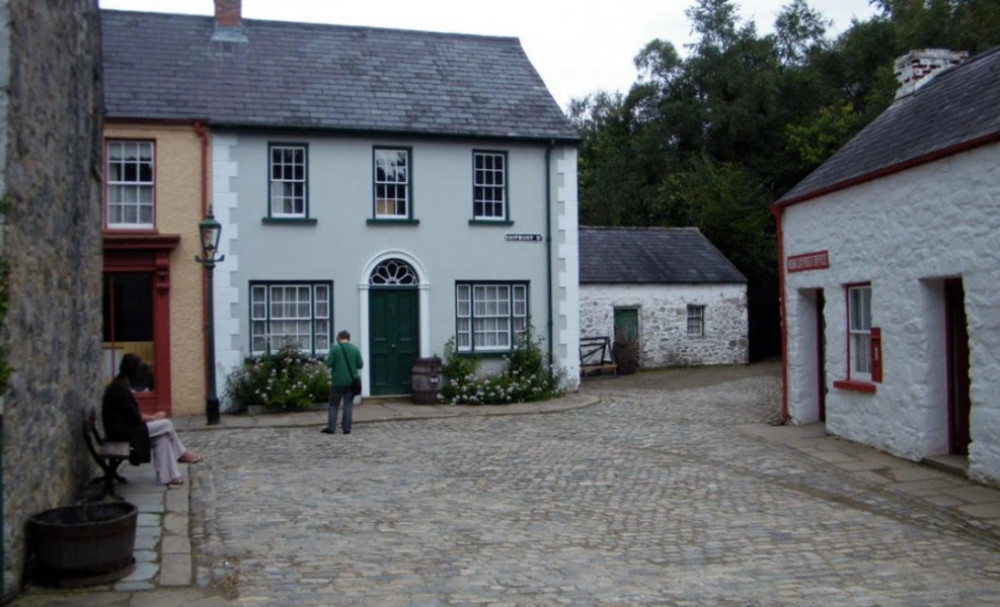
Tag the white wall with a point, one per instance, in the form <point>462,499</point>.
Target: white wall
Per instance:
<point>663,337</point>
<point>905,233</point>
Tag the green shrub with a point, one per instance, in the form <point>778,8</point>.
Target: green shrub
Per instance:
<point>525,377</point>
<point>287,380</point>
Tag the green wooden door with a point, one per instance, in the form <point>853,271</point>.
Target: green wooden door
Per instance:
<point>393,341</point>
<point>626,324</point>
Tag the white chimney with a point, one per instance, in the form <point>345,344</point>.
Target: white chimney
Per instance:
<point>916,68</point>
<point>229,21</point>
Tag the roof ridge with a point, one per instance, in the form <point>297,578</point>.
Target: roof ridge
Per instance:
<point>317,24</point>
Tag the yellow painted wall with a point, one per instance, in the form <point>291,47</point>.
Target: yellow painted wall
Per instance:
<point>178,211</point>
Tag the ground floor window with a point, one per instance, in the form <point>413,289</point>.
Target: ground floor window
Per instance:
<point>290,313</point>
<point>128,324</point>
<point>695,320</point>
<point>859,343</point>
<point>490,316</point>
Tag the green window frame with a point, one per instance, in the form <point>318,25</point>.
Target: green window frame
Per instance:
<point>489,186</point>
<point>288,181</point>
<point>291,312</point>
<point>489,316</point>
<point>392,184</point>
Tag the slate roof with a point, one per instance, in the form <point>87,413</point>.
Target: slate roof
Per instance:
<point>329,77</point>
<point>652,256</point>
<point>956,110</point>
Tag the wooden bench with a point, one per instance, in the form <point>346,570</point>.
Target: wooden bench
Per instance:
<point>109,455</point>
<point>596,356</point>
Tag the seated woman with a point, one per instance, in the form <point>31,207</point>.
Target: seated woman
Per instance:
<point>124,422</point>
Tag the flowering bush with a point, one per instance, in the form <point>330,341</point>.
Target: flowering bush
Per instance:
<point>525,376</point>
<point>287,379</point>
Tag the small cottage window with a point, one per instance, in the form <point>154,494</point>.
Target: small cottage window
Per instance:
<point>859,351</point>
<point>695,321</point>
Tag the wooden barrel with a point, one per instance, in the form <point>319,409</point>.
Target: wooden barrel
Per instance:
<point>84,544</point>
<point>427,382</point>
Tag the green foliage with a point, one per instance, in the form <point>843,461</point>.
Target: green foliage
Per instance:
<point>287,380</point>
<point>526,377</point>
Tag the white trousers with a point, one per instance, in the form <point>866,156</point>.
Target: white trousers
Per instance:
<point>167,449</point>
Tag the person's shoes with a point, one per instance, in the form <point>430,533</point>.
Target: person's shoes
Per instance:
<point>191,458</point>
<point>176,481</point>
<point>326,431</point>
<point>347,432</point>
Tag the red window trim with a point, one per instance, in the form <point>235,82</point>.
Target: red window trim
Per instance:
<point>847,307</point>
<point>104,187</point>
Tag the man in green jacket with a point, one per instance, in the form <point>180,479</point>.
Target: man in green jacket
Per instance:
<point>344,361</point>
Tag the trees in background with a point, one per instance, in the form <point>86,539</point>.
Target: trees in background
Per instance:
<point>712,138</point>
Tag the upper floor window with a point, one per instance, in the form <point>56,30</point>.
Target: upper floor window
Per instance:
<point>489,186</point>
<point>392,183</point>
<point>490,316</point>
<point>289,181</point>
<point>296,314</point>
<point>695,321</point>
<point>859,343</point>
<point>130,183</point>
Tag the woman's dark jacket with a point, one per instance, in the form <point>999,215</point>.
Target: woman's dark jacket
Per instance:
<point>122,421</point>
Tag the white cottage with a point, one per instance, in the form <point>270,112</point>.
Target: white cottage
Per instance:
<point>669,288</point>
<point>889,266</point>
<point>408,186</point>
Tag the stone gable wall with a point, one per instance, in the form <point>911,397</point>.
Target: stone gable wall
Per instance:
<point>51,335</point>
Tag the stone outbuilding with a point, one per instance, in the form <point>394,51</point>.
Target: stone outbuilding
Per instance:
<point>889,265</point>
<point>669,288</point>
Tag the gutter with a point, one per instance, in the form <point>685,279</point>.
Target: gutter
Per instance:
<point>778,212</point>
<point>548,242</point>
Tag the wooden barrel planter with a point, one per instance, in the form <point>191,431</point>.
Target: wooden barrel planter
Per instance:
<point>83,545</point>
<point>427,383</point>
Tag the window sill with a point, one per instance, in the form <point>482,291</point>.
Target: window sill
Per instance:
<point>404,222</point>
<point>855,386</point>
<point>486,354</point>
<point>490,222</point>
<point>306,221</point>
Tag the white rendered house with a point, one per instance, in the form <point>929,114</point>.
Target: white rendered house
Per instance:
<point>889,256</point>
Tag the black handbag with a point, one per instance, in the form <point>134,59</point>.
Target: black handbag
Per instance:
<point>356,378</point>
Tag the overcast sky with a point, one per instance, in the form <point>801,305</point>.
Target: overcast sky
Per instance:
<point>577,47</point>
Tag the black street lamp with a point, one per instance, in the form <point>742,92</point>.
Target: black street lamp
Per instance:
<point>210,231</point>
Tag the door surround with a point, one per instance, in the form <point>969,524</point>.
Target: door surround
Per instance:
<point>423,287</point>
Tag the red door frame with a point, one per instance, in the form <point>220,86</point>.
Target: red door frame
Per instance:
<point>149,253</point>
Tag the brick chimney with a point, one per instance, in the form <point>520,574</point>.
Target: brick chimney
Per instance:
<point>916,68</point>
<point>229,21</point>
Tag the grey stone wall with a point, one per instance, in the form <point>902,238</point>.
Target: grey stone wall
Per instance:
<point>50,131</point>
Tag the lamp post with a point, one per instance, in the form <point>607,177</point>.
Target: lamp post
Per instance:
<point>210,231</point>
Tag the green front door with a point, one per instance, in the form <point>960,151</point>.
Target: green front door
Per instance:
<point>626,324</point>
<point>393,341</point>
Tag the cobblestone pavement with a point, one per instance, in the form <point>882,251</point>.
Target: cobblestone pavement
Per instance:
<point>654,496</point>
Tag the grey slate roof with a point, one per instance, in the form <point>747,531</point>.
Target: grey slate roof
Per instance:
<point>652,256</point>
<point>312,76</point>
<point>958,109</point>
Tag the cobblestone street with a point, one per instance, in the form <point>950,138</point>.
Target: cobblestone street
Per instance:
<point>653,496</point>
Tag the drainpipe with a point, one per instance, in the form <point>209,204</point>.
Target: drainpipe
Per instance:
<point>777,212</point>
<point>548,243</point>
<point>199,129</point>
